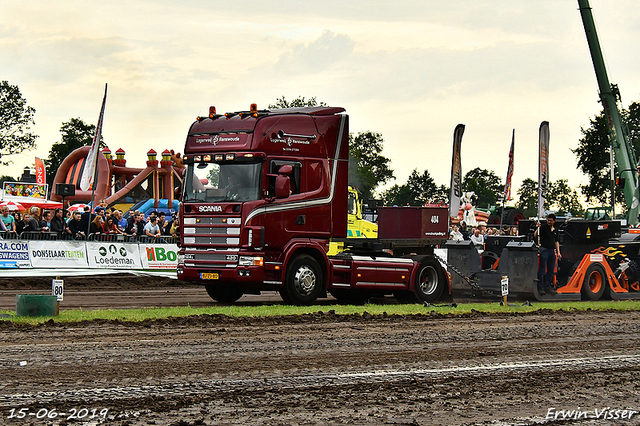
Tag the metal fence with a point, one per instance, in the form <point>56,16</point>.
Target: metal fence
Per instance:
<point>122,238</point>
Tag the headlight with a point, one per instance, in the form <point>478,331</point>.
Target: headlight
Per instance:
<point>250,261</point>
<point>188,230</point>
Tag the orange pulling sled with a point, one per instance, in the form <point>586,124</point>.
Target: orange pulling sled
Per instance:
<point>594,277</point>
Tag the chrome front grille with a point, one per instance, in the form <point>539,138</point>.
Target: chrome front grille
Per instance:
<point>227,241</point>
<point>218,231</point>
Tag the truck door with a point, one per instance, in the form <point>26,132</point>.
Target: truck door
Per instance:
<point>290,220</point>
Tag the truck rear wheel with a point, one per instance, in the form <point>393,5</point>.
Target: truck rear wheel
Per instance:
<point>595,282</point>
<point>303,282</point>
<point>430,280</point>
<point>224,293</point>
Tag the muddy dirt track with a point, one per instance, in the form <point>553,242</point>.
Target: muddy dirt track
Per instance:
<point>326,369</point>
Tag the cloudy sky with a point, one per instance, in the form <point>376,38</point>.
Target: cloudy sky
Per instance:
<point>410,70</point>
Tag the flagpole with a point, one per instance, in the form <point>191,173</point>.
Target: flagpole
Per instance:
<point>95,159</point>
<point>507,185</point>
<point>93,191</point>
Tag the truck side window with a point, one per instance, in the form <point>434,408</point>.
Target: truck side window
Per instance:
<point>274,166</point>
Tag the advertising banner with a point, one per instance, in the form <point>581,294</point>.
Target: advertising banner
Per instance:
<point>159,256</point>
<point>41,172</point>
<point>456,172</point>
<point>20,189</point>
<point>113,255</point>
<point>14,254</point>
<point>58,254</point>
<point>543,166</point>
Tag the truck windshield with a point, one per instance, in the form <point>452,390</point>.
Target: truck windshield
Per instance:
<point>212,182</point>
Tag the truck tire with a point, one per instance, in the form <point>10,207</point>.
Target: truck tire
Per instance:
<point>224,293</point>
<point>430,280</point>
<point>303,282</point>
<point>595,282</point>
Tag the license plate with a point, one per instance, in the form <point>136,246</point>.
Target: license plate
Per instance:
<point>209,276</point>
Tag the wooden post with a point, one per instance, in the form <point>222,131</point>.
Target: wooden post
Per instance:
<point>504,285</point>
<point>54,293</point>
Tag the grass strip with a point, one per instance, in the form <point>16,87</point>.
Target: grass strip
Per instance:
<point>75,315</point>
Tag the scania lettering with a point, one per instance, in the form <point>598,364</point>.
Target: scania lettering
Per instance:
<point>278,182</point>
<point>210,208</point>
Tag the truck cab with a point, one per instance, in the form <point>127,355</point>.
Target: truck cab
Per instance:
<point>263,190</point>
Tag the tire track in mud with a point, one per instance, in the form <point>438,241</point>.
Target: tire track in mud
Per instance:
<point>327,369</point>
<point>301,382</point>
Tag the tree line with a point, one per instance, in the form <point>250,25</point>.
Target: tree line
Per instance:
<point>368,168</point>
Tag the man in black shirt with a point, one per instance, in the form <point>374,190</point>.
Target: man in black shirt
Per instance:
<point>75,226</point>
<point>135,226</point>
<point>547,235</point>
<point>86,218</point>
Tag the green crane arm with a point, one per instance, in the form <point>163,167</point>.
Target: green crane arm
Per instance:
<point>623,151</point>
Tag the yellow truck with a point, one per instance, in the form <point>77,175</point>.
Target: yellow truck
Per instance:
<point>357,227</point>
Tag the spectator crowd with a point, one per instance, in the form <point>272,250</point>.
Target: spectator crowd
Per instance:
<point>478,234</point>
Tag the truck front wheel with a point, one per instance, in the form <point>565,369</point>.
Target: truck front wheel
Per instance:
<point>430,280</point>
<point>303,282</point>
<point>224,293</point>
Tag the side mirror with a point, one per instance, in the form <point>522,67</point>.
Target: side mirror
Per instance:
<point>285,169</point>
<point>283,186</point>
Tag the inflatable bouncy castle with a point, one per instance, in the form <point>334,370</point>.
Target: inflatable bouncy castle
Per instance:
<point>151,188</point>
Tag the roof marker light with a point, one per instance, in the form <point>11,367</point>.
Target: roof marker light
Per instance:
<point>212,112</point>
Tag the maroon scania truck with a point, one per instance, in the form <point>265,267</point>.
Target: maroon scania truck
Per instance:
<point>264,194</point>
